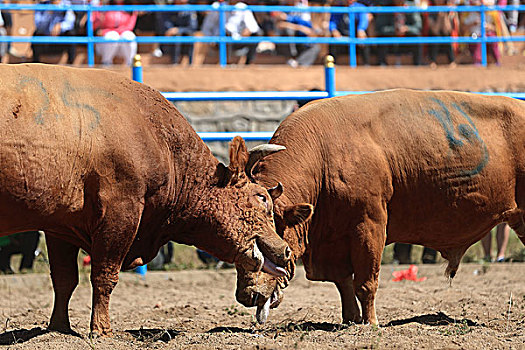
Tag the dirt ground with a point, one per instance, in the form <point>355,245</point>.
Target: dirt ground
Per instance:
<point>484,308</point>
<point>507,78</point>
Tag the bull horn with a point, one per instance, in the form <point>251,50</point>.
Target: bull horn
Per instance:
<point>275,192</point>
<point>260,152</point>
<point>258,256</point>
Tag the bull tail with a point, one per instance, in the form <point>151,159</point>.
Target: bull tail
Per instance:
<point>453,256</point>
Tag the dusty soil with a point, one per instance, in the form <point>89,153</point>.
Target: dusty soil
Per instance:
<point>197,309</point>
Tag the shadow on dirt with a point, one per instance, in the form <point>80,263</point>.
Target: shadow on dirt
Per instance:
<point>230,330</point>
<point>152,335</point>
<point>313,326</point>
<point>439,319</point>
<point>288,327</point>
<point>21,335</point>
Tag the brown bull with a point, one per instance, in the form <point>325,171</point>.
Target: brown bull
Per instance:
<point>105,164</point>
<point>433,168</point>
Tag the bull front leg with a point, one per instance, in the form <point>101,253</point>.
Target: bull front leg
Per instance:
<point>351,312</point>
<point>366,251</point>
<point>110,245</point>
<point>64,276</point>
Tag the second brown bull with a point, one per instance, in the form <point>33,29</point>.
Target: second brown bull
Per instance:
<point>438,169</point>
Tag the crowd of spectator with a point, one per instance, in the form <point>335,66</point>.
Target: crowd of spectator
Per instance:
<point>114,25</point>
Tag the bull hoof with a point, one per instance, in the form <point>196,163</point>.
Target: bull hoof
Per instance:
<point>61,328</point>
<point>100,333</point>
<point>353,320</point>
<point>374,324</point>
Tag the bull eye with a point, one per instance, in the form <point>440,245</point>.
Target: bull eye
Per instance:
<point>263,200</point>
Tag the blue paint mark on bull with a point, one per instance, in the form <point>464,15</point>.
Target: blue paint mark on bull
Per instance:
<point>69,101</point>
<point>467,132</point>
<point>39,115</point>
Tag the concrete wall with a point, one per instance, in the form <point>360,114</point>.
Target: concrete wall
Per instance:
<point>234,116</point>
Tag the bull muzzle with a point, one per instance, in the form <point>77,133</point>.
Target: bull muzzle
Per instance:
<point>261,290</point>
<point>255,260</point>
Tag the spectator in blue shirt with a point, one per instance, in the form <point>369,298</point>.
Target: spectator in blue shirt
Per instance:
<point>301,54</point>
<point>54,23</point>
<point>339,26</point>
<point>182,23</point>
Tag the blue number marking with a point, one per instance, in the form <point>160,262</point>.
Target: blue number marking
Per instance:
<point>71,102</point>
<point>39,115</point>
<point>466,133</point>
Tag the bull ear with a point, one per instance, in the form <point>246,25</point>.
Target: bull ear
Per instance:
<point>223,175</point>
<point>275,192</point>
<point>297,214</point>
<point>238,158</point>
<point>260,152</point>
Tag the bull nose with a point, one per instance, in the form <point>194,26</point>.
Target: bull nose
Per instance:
<point>288,253</point>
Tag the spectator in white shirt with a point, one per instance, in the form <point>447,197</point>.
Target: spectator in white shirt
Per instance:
<point>239,23</point>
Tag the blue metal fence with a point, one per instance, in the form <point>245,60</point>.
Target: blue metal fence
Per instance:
<point>222,40</point>
<point>330,91</point>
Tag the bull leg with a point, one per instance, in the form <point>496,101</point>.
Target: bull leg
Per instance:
<point>517,223</point>
<point>351,312</point>
<point>110,245</point>
<point>366,251</point>
<point>64,275</point>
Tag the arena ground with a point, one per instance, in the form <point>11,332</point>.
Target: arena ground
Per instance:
<point>484,308</point>
<point>507,78</point>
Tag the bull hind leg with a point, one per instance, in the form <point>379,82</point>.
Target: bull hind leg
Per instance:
<point>64,275</point>
<point>517,223</point>
<point>367,247</point>
<point>351,312</point>
<point>111,243</point>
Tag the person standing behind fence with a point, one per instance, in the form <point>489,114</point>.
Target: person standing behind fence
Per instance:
<point>3,32</point>
<point>472,22</point>
<point>301,54</point>
<point>115,25</point>
<point>24,243</point>
<point>339,26</point>
<point>181,23</point>
<point>238,23</point>
<point>54,23</point>
<point>442,24</point>
<point>401,24</point>
<point>5,27</point>
<point>502,238</point>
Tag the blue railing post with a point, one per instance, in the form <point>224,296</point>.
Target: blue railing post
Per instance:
<point>351,24</point>
<point>223,57</point>
<point>483,36</point>
<point>89,32</point>
<point>329,75</point>
<point>137,69</point>
<point>141,270</point>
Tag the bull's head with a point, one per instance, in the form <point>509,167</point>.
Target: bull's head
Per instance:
<point>260,289</point>
<point>246,233</point>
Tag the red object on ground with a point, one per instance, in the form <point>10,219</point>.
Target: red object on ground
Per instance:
<point>409,274</point>
<point>86,261</point>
